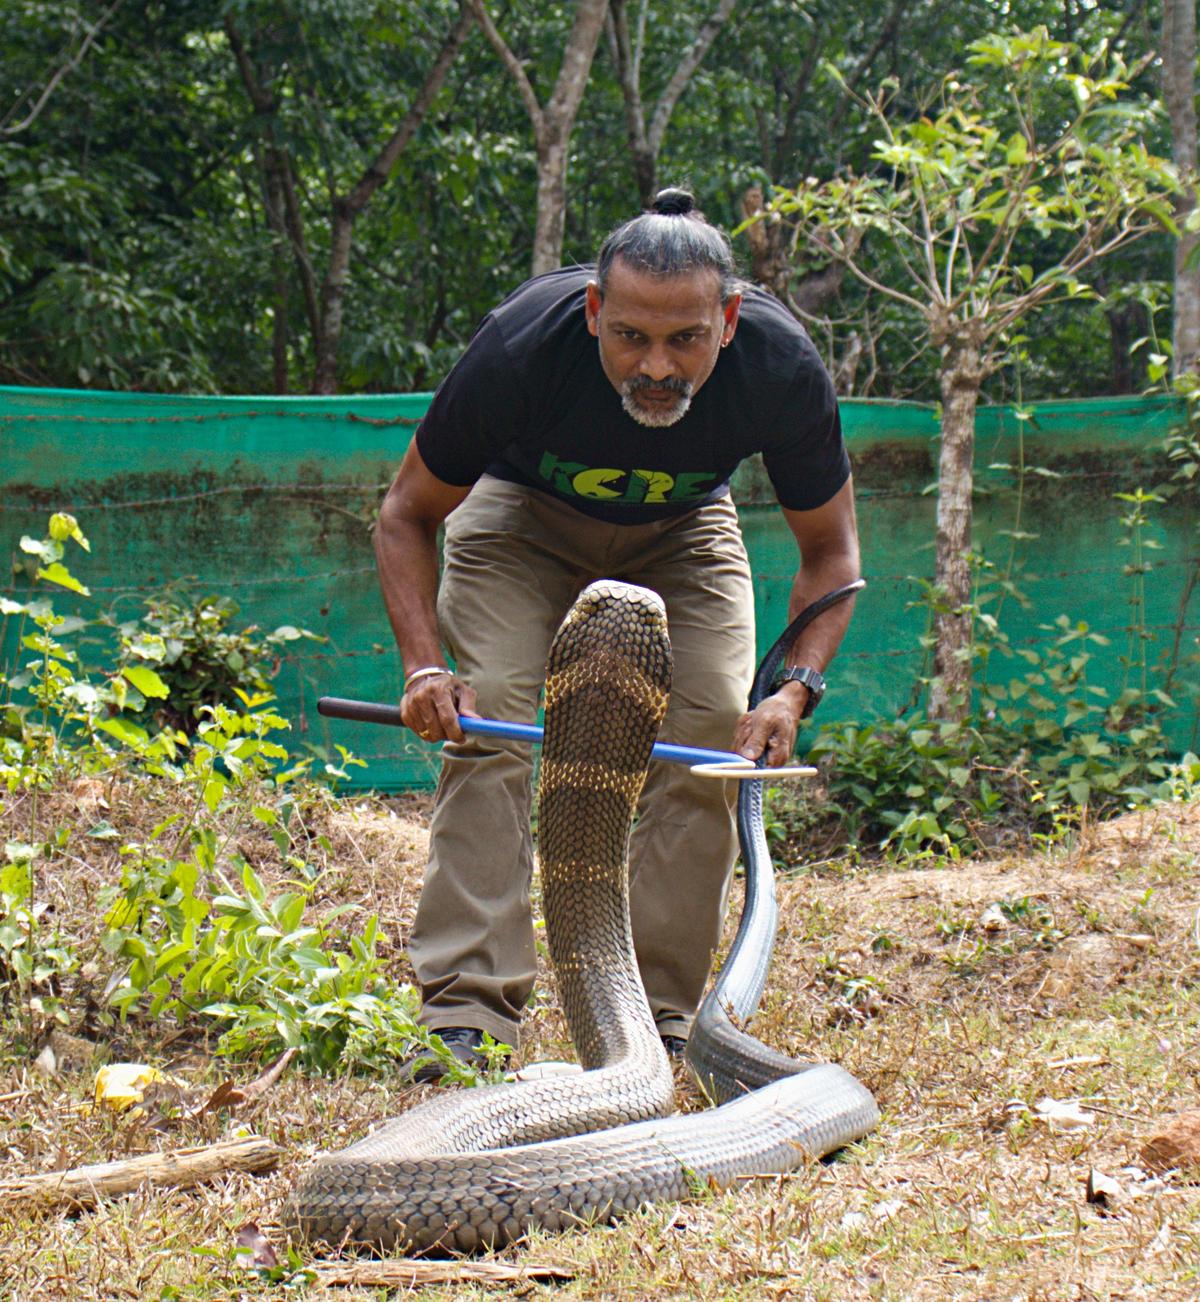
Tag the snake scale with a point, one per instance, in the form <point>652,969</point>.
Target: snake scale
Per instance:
<point>476,1169</point>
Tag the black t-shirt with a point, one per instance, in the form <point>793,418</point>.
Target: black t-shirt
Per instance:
<point>529,402</point>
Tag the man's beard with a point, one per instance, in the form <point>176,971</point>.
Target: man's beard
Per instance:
<point>656,415</point>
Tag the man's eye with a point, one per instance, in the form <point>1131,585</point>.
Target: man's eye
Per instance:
<point>686,338</point>
<point>630,336</point>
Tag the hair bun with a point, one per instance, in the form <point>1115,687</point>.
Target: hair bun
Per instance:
<point>673,203</point>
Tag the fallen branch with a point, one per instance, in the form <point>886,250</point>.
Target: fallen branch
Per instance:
<point>412,1274</point>
<point>85,1186</point>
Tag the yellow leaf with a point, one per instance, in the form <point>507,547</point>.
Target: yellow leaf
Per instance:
<point>58,573</point>
<point>64,526</point>
<point>120,1085</point>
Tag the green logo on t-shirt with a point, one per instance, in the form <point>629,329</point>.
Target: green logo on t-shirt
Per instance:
<point>574,479</point>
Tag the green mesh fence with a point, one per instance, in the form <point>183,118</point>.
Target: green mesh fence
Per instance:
<point>271,501</point>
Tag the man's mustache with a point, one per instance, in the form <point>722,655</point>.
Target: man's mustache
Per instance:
<point>672,384</point>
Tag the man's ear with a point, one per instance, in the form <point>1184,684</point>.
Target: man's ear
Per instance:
<point>730,312</point>
<point>592,307</point>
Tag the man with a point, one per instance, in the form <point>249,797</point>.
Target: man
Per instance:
<point>589,431</point>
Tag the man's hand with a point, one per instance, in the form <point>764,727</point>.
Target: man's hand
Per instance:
<point>772,727</point>
<point>432,705</point>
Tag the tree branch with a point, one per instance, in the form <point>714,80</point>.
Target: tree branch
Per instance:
<point>709,31</point>
<point>576,63</point>
<point>386,159</point>
<point>52,84</point>
<point>627,74</point>
<point>513,64</point>
<point>887,32</point>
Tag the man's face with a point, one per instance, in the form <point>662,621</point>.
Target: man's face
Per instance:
<point>659,337</point>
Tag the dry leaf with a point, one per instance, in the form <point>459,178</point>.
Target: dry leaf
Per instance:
<point>254,1250</point>
<point>1102,1190</point>
<point>993,919</point>
<point>226,1095</point>
<point>1175,1145</point>
<point>229,1095</point>
<point>1063,1114</point>
<point>120,1085</point>
<point>261,1084</point>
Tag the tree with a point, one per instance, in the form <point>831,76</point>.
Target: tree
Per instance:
<point>552,122</point>
<point>26,108</point>
<point>1179,92</point>
<point>325,297</point>
<point>990,205</point>
<point>628,55</point>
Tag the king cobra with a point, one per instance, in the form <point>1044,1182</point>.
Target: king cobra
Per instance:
<point>476,1169</point>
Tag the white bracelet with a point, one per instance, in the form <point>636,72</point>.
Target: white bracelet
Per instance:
<point>427,672</point>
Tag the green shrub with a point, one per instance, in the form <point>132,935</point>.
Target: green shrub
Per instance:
<point>199,655</point>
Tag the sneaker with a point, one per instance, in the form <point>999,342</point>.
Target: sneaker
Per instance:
<point>674,1045</point>
<point>464,1043</point>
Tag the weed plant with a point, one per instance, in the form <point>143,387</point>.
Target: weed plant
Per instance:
<point>190,933</point>
<point>1042,748</point>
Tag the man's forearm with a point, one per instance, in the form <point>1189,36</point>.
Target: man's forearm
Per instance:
<point>408,574</point>
<point>818,643</point>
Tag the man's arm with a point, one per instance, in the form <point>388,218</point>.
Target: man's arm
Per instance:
<point>828,542</point>
<point>406,549</point>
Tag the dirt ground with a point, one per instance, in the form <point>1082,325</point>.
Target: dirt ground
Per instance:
<point>1025,1023</point>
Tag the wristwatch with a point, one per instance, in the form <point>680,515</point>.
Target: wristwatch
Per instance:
<point>810,678</point>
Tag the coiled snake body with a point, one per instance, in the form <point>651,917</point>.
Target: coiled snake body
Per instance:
<point>478,1168</point>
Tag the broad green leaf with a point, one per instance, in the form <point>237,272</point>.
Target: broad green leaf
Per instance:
<point>124,730</point>
<point>146,681</point>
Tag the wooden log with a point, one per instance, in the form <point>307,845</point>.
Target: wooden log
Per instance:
<point>85,1186</point>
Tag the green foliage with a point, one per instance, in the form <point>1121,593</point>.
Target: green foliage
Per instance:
<point>192,926</point>
<point>1041,743</point>
<point>179,658</point>
<point>199,658</point>
<point>1040,746</point>
<point>63,698</point>
<point>34,956</point>
<point>198,944</point>
<point>136,240</point>
<point>1041,143</point>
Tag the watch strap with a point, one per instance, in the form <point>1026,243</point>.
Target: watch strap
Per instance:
<point>810,678</point>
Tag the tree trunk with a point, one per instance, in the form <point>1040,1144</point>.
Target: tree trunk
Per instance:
<point>553,123</point>
<point>346,207</point>
<point>551,207</point>
<point>962,374</point>
<point>1179,92</point>
<point>773,253</point>
<point>1126,323</point>
<point>645,141</point>
<point>325,302</point>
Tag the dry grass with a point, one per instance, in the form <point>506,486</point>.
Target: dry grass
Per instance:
<point>962,995</point>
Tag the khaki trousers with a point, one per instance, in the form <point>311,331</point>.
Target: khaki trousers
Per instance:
<point>514,561</point>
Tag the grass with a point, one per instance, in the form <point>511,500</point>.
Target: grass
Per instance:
<point>1084,986</point>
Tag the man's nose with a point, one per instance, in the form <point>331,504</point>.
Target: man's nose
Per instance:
<point>657,363</point>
